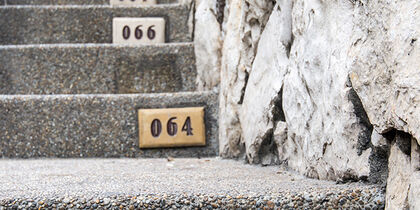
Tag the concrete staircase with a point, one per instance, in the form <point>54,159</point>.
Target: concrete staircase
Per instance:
<point>67,92</point>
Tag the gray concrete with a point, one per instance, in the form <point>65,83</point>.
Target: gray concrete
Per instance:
<point>82,23</point>
<point>70,2</point>
<point>57,2</point>
<point>162,183</point>
<point>93,125</point>
<point>96,69</point>
<point>2,2</point>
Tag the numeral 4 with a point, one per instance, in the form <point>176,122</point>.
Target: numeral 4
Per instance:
<point>187,127</point>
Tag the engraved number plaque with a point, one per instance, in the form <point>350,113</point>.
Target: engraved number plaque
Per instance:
<point>138,30</point>
<point>177,127</point>
<point>132,2</point>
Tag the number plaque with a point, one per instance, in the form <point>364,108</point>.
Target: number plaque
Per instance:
<point>133,2</point>
<point>178,127</point>
<point>138,30</point>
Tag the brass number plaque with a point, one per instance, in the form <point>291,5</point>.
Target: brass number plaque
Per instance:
<point>176,127</point>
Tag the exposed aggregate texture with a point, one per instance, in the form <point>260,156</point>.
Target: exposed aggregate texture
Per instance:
<point>171,183</point>
<point>93,125</point>
<point>83,23</point>
<point>97,68</point>
<point>69,2</point>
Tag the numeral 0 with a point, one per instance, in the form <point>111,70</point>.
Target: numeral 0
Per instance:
<point>126,32</point>
<point>138,33</point>
<point>171,127</point>
<point>156,128</point>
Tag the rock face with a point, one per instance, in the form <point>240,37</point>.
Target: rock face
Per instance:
<point>208,45</point>
<point>385,64</point>
<point>292,69</point>
<point>404,175</point>
<point>323,87</point>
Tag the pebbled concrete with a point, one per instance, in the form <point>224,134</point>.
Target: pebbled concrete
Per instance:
<point>93,125</point>
<point>180,182</point>
<point>70,2</point>
<point>83,23</point>
<point>97,69</point>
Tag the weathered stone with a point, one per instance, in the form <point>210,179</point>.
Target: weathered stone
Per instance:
<point>415,155</point>
<point>413,196</point>
<point>324,127</point>
<point>398,184</point>
<point>239,50</point>
<point>328,131</point>
<point>231,85</point>
<point>208,44</point>
<point>265,82</point>
<point>378,140</point>
<point>346,81</point>
<point>280,138</point>
<point>385,64</point>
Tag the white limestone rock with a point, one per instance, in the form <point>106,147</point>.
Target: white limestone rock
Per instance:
<point>207,45</point>
<point>378,140</point>
<point>323,128</point>
<point>233,80</point>
<point>413,197</point>
<point>265,81</point>
<point>280,138</point>
<point>245,23</point>
<point>398,183</point>
<point>385,63</point>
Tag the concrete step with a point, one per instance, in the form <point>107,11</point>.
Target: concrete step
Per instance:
<point>178,183</point>
<point>83,23</point>
<point>96,68</point>
<point>69,2</point>
<point>93,125</point>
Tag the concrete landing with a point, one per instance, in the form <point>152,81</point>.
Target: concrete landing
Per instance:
<point>174,183</point>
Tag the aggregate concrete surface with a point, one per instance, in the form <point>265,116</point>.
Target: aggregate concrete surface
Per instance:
<point>48,24</point>
<point>69,2</point>
<point>170,183</point>
<point>97,68</point>
<point>74,126</point>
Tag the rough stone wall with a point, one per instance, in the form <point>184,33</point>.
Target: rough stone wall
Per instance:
<point>285,92</point>
<point>327,88</point>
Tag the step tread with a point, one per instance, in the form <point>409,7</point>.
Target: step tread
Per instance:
<point>38,24</point>
<point>64,2</point>
<point>167,179</point>
<point>96,68</point>
<point>94,125</point>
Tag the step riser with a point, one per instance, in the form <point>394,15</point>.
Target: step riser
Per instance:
<point>82,24</point>
<point>93,126</point>
<point>69,2</point>
<point>100,69</point>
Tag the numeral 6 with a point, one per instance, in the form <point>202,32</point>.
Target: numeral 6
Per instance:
<point>138,33</point>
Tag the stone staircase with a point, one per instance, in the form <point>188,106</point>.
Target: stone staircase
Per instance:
<point>67,92</point>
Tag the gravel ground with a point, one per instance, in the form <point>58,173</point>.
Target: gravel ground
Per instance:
<point>171,183</point>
